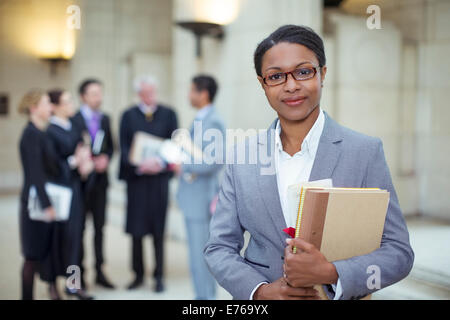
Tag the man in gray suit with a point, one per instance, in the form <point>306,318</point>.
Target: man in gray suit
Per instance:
<point>199,184</point>
<point>303,144</point>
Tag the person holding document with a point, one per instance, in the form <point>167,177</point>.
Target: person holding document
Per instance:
<point>94,124</point>
<point>147,182</point>
<point>199,184</point>
<point>39,165</point>
<point>303,144</point>
<point>74,158</point>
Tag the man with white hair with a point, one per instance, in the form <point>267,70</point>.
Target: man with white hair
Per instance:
<point>148,183</point>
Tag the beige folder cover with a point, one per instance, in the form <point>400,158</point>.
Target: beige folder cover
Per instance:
<point>343,223</point>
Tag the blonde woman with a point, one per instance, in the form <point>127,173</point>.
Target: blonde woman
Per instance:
<point>39,164</point>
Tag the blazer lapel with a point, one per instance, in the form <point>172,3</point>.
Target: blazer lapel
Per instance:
<point>326,159</point>
<point>328,151</point>
<point>268,186</point>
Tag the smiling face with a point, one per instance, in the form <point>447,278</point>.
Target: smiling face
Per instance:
<point>293,100</point>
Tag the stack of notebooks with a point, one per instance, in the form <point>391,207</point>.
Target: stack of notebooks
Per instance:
<point>340,222</point>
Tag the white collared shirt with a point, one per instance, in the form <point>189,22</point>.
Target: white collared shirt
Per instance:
<point>203,112</point>
<point>87,112</point>
<point>63,123</point>
<point>146,108</point>
<point>297,168</point>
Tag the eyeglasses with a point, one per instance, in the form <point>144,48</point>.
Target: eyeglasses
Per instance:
<point>303,73</point>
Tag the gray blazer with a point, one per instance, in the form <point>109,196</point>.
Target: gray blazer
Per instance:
<point>194,195</point>
<point>249,201</point>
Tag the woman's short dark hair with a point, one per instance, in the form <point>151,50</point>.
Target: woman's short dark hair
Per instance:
<point>55,95</point>
<point>86,83</point>
<point>206,82</point>
<point>292,34</point>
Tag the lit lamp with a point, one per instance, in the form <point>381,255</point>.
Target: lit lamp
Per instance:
<point>209,17</point>
<point>56,48</point>
<point>47,35</point>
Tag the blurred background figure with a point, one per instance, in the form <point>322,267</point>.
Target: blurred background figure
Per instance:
<point>147,184</point>
<point>39,164</point>
<point>74,161</point>
<point>199,183</point>
<point>91,122</point>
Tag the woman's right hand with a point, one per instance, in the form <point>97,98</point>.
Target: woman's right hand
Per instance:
<point>50,214</point>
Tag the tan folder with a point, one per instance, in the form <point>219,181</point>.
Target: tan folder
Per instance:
<point>343,223</point>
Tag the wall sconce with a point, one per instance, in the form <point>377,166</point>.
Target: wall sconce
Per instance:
<point>201,29</point>
<point>206,18</point>
<point>54,62</point>
<point>45,33</point>
<point>56,48</point>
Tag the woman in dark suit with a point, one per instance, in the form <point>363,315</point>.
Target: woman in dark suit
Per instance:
<point>67,143</point>
<point>39,164</point>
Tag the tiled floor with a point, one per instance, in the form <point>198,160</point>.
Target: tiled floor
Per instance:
<point>427,237</point>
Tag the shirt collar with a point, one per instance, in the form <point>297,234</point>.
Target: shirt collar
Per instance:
<point>87,112</point>
<point>311,141</point>
<point>63,123</point>
<point>203,112</point>
<point>145,109</point>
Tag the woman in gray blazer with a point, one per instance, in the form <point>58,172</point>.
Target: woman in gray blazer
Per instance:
<point>291,67</point>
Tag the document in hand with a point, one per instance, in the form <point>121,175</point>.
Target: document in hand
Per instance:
<point>341,222</point>
<point>176,151</point>
<point>60,198</point>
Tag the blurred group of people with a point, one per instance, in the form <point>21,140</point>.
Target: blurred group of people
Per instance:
<point>57,146</point>
<point>74,148</point>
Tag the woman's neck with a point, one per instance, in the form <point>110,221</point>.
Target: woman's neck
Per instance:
<point>38,122</point>
<point>294,132</point>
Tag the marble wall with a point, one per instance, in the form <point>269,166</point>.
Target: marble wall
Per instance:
<point>433,112</point>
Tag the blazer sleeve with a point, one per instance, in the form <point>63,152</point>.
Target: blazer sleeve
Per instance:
<point>394,259</point>
<point>222,251</point>
<point>35,160</point>
<point>126,170</point>
<point>213,160</point>
<point>109,143</point>
<point>172,124</point>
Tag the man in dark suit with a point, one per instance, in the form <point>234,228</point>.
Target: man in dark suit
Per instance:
<point>148,183</point>
<point>91,122</point>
